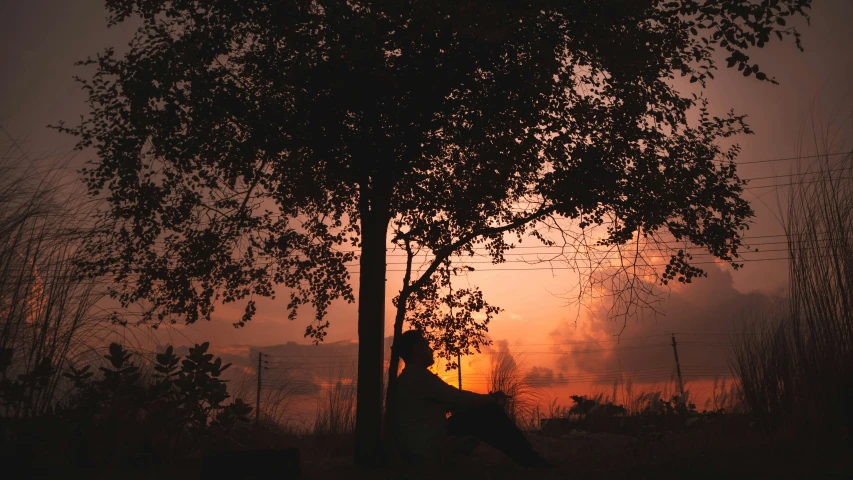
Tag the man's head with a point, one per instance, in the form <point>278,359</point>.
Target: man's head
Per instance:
<point>414,349</point>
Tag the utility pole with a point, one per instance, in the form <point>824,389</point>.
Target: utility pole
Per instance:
<point>677,367</point>
<point>258,399</point>
<point>459,368</point>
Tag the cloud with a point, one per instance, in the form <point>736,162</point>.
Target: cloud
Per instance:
<point>239,350</point>
<point>545,377</point>
<point>704,316</point>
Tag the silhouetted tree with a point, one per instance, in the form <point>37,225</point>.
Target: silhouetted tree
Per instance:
<point>454,320</point>
<point>241,142</point>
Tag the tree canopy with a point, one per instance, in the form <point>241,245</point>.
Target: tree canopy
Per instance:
<point>247,144</point>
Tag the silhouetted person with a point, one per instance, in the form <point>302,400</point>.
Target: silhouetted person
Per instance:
<point>424,400</point>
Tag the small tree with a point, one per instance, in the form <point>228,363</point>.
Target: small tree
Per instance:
<point>242,142</point>
<point>455,322</point>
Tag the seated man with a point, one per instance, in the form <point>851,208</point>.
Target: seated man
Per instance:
<point>424,400</point>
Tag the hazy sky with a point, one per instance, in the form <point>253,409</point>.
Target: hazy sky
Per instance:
<point>41,39</point>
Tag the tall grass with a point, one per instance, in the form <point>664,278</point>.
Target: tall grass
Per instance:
<point>336,405</point>
<point>283,388</point>
<point>725,399</point>
<point>795,365</point>
<point>506,374</point>
<point>48,312</point>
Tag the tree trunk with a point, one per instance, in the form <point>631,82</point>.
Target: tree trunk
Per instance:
<point>394,364</point>
<point>371,336</point>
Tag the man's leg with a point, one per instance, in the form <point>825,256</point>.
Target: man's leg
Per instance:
<point>490,423</point>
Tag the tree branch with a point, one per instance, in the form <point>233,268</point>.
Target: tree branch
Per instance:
<point>443,253</point>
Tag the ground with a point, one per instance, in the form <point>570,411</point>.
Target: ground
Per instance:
<point>682,456</point>
<point>607,456</point>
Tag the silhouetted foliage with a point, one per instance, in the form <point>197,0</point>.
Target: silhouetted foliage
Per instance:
<point>794,363</point>
<point>240,143</point>
<point>653,416</point>
<point>454,321</point>
<point>18,392</point>
<point>582,404</point>
<point>122,414</point>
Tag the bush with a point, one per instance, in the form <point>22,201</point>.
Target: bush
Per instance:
<point>124,416</point>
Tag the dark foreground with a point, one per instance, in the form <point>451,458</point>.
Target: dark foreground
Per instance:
<point>686,455</point>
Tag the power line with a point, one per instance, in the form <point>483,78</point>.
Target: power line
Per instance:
<point>16,145</point>
<point>801,182</point>
<point>583,256</point>
<point>604,267</point>
<point>819,172</point>
<point>750,162</point>
<point>587,342</point>
<point>667,243</point>
<point>511,352</point>
<point>662,373</point>
<point>623,339</point>
<point>274,215</point>
<point>632,347</point>
<point>557,246</point>
<point>739,334</point>
<point>582,259</point>
<point>617,372</point>
<point>514,353</point>
<point>552,268</point>
<point>656,247</point>
<point>645,379</point>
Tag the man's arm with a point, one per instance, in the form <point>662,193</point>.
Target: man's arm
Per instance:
<point>431,387</point>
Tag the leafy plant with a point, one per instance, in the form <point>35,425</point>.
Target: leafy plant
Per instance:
<point>121,411</point>
<point>16,393</point>
<point>198,389</point>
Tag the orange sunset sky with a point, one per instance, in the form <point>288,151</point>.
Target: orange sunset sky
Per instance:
<point>41,39</point>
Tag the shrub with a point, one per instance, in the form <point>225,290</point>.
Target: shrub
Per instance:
<point>121,414</point>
